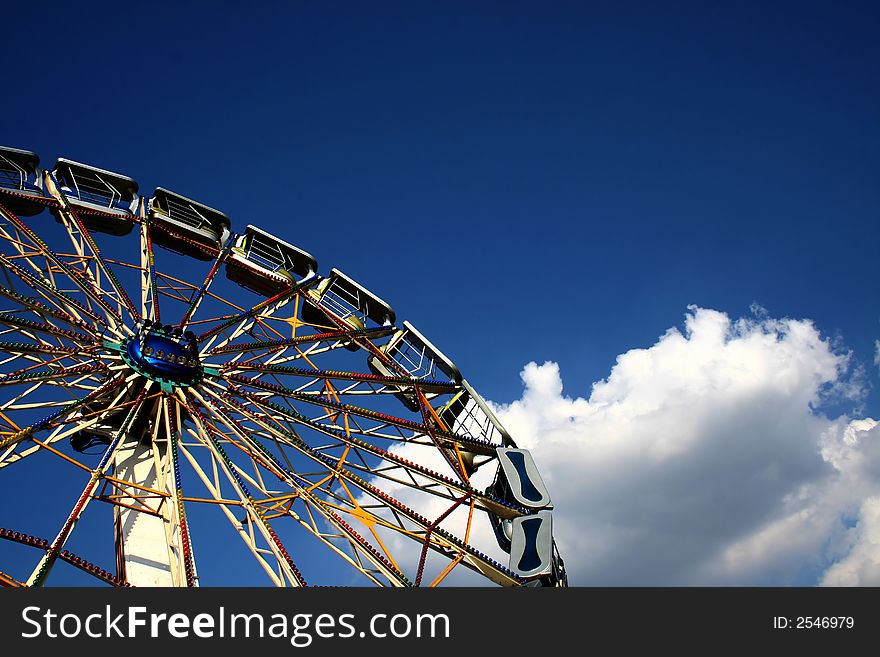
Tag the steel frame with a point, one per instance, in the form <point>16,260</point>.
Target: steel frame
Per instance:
<point>280,443</point>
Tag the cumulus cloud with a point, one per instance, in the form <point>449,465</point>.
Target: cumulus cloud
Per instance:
<point>861,566</point>
<point>704,459</point>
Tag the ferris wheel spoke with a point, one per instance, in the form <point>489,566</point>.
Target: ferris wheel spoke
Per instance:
<point>65,361</point>
<point>85,383</point>
<point>81,238</point>
<point>56,416</point>
<point>286,351</point>
<point>65,555</point>
<point>75,225</point>
<point>173,288</point>
<point>381,562</point>
<point>413,526</point>
<point>19,348</point>
<point>427,532</point>
<point>149,284</point>
<point>453,454</point>
<point>19,403</point>
<point>18,322</point>
<point>430,529</point>
<point>110,318</point>
<point>51,293</point>
<point>384,420</point>
<point>43,310</point>
<point>337,539</point>
<point>244,320</point>
<point>429,480</point>
<point>185,293</point>
<point>245,441</point>
<point>258,327</point>
<point>24,248</point>
<point>215,267</point>
<point>18,378</point>
<point>328,336</point>
<point>172,427</point>
<point>66,424</point>
<point>210,438</point>
<point>231,370</point>
<point>258,313</point>
<point>88,287</point>
<point>442,540</point>
<point>244,530</point>
<point>38,576</point>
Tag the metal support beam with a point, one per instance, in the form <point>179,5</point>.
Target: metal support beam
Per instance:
<point>148,541</point>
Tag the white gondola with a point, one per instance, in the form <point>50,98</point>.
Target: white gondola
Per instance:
<point>532,546</point>
<point>518,479</point>
<point>21,181</point>
<point>184,226</point>
<point>348,300</point>
<point>414,354</point>
<point>105,201</point>
<point>517,482</point>
<point>264,264</point>
<point>468,414</point>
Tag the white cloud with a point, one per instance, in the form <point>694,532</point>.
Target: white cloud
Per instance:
<point>862,565</point>
<point>704,460</point>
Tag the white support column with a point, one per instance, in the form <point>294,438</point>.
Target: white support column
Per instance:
<point>148,549</point>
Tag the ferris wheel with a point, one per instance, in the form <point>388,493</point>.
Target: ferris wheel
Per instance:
<point>189,385</point>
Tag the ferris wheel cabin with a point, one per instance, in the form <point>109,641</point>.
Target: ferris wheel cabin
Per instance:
<point>412,352</point>
<point>186,226</point>
<point>519,480</point>
<point>105,201</point>
<point>267,265</point>
<point>527,538</point>
<point>468,414</point>
<point>347,300</point>
<point>533,552</point>
<point>21,181</point>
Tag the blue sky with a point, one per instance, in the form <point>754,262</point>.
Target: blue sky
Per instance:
<point>522,181</point>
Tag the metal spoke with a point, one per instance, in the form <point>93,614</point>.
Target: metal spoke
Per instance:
<point>197,299</point>
<point>45,564</point>
<point>90,288</point>
<point>256,515</point>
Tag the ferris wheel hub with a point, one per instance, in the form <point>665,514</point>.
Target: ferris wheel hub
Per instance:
<point>164,354</point>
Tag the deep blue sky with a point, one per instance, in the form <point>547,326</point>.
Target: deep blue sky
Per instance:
<point>522,181</point>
